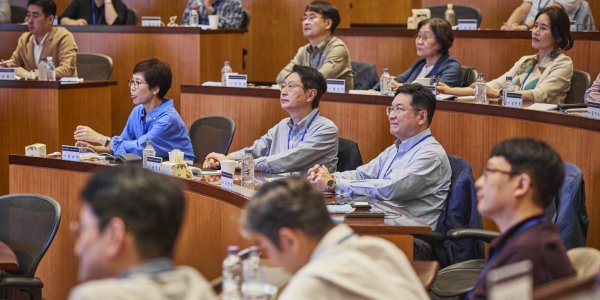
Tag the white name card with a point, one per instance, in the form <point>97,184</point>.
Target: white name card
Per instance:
<point>71,153</point>
<point>573,26</point>
<point>593,110</point>
<point>514,100</point>
<point>150,21</point>
<point>154,163</point>
<point>467,24</point>
<point>336,86</point>
<point>7,74</point>
<point>236,80</point>
<point>226,180</point>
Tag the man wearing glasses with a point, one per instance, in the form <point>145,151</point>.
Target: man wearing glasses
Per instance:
<point>323,52</point>
<point>521,178</point>
<point>153,119</point>
<point>296,143</point>
<point>413,173</point>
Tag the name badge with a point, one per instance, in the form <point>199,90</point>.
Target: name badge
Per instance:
<point>7,74</point>
<point>226,180</point>
<point>150,21</point>
<point>593,110</point>
<point>154,163</point>
<point>514,100</point>
<point>71,153</point>
<point>236,80</point>
<point>467,24</point>
<point>336,86</point>
<point>573,26</point>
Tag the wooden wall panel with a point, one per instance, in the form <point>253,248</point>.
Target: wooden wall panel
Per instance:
<point>372,12</point>
<point>494,12</point>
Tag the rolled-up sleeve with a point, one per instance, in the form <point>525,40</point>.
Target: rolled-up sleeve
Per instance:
<point>593,93</point>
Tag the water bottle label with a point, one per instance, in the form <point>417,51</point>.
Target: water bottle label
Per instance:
<point>336,86</point>
<point>153,163</point>
<point>514,100</point>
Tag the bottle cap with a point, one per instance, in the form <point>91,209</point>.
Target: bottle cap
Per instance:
<point>233,249</point>
<point>248,151</point>
<point>450,5</point>
<point>385,70</point>
<point>148,143</point>
<point>509,78</point>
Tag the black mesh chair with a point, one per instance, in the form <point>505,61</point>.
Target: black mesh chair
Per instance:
<point>17,14</point>
<point>365,75</point>
<point>211,134</point>
<point>462,12</point>
<point>580,82</point>
<point>94,66</point>
<point>468,75</point>
<point>28,224</point>
<point>132,16</point>
<point>349,157</point>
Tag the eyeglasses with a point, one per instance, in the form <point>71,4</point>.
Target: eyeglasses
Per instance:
<point>397,110</point>
<point>135,84</point>
<point>289,85</point>
<point>310,17</point>
<point>423,37</point>
<point>488,170</point>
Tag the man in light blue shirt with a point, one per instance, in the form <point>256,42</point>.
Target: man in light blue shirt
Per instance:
<point>413,173</point>
<point>299,142</point>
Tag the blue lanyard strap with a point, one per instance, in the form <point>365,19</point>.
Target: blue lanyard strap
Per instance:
<point>94,14</point>
<point>305,130</point>
<point>388,170</point>
<point>318,60</point>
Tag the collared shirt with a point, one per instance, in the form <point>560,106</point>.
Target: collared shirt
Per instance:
<point>593,93</point>
<point>570,7</point>
<point>539,243</point>
<point>163,126</point>
<point>229,11</point>
<point>413,174</point>
<point>331,57</point>
<point>308,145</point>
<point>347,266</point>
<point>37,49</point>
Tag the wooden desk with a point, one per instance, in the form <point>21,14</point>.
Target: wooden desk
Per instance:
<point>194,55</point>
<point>464,129</point>
<point>48,112</point>
<point>8,259</point>
<point>211,220</point>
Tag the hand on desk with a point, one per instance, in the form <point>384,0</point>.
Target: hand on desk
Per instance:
<point>22,73</point>
<point>213,160</point>
<point>87,134</point>
<point>319,176</point>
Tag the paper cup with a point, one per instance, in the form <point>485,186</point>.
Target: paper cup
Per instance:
<point>228,166</point>
<point>423,81</point>
<point>213,22</point>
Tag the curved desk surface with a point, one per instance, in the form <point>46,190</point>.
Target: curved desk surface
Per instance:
<point>467,130</point>
<point>210,224</point>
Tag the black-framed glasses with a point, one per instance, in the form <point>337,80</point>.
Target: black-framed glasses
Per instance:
<point>133,84</point>
<point>397,109</point>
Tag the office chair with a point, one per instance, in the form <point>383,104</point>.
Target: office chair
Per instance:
<point>462,12</point>
<point>94,66</point>
<point>349,157</point>
<point>468,75</point>
<point>132,16</point>
<point>211,134</point>
<point>17,14</point>
<point>365,75</point>
<point>580,82</point>
<point>28,224</point>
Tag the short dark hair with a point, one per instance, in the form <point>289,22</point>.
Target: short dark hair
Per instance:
<point>287,203</point>
<point>48,6</point>
<point>442,30</point>
<point>422,98</point>
<point>560,25</point>
<point>156,73</point>
<point>311,79</point>
<point>327,10</point>
<point>539,160</point>
<point>150,204</point>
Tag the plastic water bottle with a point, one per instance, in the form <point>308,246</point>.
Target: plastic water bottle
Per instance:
<point>42,72</point>
<point>51,70</point>
<point>251,266</point>
<point>508,87</point>
<point>226,69</point>
<point>248,169</point>
<point>148,151</point>
<point>449,14</point>
<point>385,83</point>
<point>232,271</point>
<point>480,90</point>
<point>193,18</point>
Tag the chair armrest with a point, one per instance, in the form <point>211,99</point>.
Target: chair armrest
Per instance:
<point>432,237</point>
<point>21,282</point>
<point>476,234</point>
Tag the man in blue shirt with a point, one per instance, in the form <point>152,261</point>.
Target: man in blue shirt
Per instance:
<point>153,119</point>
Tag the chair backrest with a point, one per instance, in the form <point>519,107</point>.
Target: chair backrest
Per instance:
<point>132,16</point>
<point>461,212</point>
<point>17,14</point>
<point>468,75</point>
<point>28,224</point>
<point>211,134</point>
<point>245,19</point>
<point>585,260</point>
<point>94,66</point>
<point>365,75</point>
<point>349,157</point>
<point>568,210</point>
<point>580,82</point>
<point>462,12</point>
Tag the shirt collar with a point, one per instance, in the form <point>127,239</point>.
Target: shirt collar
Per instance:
<point>320,47</point>
<point>43,39</point>
<point>410,142</point>
<point>164,106</point>
<point>152,266</point>
<point>304,122</point>
<point>335,236</point>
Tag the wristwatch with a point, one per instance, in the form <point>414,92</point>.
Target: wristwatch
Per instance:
<point>107,142</point>
<point>331,184</point>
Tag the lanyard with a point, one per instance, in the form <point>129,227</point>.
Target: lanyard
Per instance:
<point>387,172</point>
<point>540,7</point>
<point>318,60</point>
<point>94,14</point>
<point>305,130</point>
<point>343,239</point>
<point>525,80</point>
